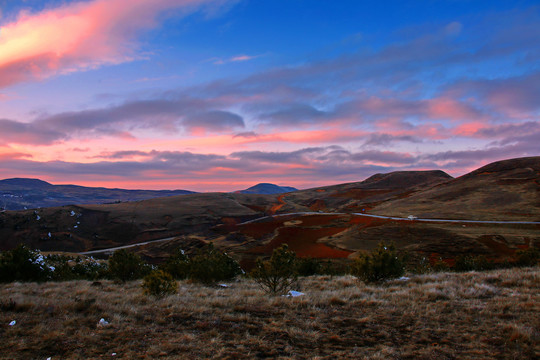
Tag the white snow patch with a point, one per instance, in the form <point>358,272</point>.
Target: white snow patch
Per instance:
<point>12,323</point>
<point>38,217</point>
<point>223,285</point>
<point>293,293</point>
<point>103,322</point>
<point>72,213</point>
<point>49,234</point>
<point>404,278</point>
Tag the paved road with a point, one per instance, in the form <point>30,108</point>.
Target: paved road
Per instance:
<point>398,219</point>
<point>451,221</point>
<point>101,251</point>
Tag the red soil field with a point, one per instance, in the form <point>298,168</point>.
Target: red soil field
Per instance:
<point>303,241</point>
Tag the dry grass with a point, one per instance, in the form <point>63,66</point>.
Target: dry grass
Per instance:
<point>491,315</point>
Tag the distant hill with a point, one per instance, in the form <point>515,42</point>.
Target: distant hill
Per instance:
<point>21,193</point>
<point>361,196</point>
<point>503,190</point>
<point>267,189</point>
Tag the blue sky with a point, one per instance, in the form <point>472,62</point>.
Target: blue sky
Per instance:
<point>218,95</point>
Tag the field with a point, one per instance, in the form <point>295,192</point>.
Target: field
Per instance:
<point>476,315</point>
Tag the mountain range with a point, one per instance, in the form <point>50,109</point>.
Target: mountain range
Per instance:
<point>23,193</point>
<point>325,222</point>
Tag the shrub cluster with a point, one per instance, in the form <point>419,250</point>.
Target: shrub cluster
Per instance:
<point>23,264</point>
<point>125,266</point>
<point>382,264</point>
<point>207,266</point>
<point>159,283</point>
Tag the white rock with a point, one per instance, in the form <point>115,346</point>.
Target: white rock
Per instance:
<point>293,293</point>
<point>12,323</point>
<point>102,321</point>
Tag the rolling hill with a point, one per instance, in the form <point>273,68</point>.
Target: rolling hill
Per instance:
<point>324,222</point>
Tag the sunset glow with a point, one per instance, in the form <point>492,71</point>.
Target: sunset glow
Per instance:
<point>218,95</point>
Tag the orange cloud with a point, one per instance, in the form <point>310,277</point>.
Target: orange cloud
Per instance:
<point>78,36</point>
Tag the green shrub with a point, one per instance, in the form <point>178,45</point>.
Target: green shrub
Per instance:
<point>309,266</point>
<point>23,264</point>
<point>159,283</point>
<point>528,257</point>
<point>209,266</point>
<point>178,265</point>
<point>125,265</point>
<point>441,266</point>
<point>382,264</point>
<point>472,263</point>
<point>279,274</point>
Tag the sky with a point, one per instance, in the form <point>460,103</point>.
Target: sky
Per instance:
<point>218,95</point>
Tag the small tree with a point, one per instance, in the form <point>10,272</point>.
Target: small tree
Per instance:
<point>210,266</point>
<point>125,265</point>
<point>159,283</point>
<point>178,265</point>
<point>279,274</point>
<point>382,264</point>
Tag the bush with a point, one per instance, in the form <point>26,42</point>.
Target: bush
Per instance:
<point>528,257</point>
<point>124,266</point>
<point>382,264</point>
<point>23,264</point>
<point>309,266</point>
<point>210,266</point>
<point>470,263</point>
<point>178,265</point>
<point>159,283</point>
<point>279,274</point>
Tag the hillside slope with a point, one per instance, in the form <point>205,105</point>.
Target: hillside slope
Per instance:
<point>503,190</point>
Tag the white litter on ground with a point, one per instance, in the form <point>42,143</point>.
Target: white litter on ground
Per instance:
<point>404,278</point>
<point>72,213</point>
<point>12,323</point>
<point>293,293</point>
<point>113,354</point>
<point>102,321</point>
<point>223,285</point>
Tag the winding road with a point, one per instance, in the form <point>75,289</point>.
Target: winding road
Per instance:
<point>101,251</point>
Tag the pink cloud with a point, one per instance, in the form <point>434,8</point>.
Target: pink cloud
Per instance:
<point>78,36</point>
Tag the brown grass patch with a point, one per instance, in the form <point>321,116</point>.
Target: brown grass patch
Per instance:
<point>491,315</point>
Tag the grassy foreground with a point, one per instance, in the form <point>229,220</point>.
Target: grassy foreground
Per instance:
<point>487,315</point>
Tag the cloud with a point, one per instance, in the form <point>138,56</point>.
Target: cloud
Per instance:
<point>80,35</point>
<point>216,120</point>
<point>17,132</point>
<point>166,116</point>
<point>237,58</point>
<point>381,139</point>
<point>247,134</point>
